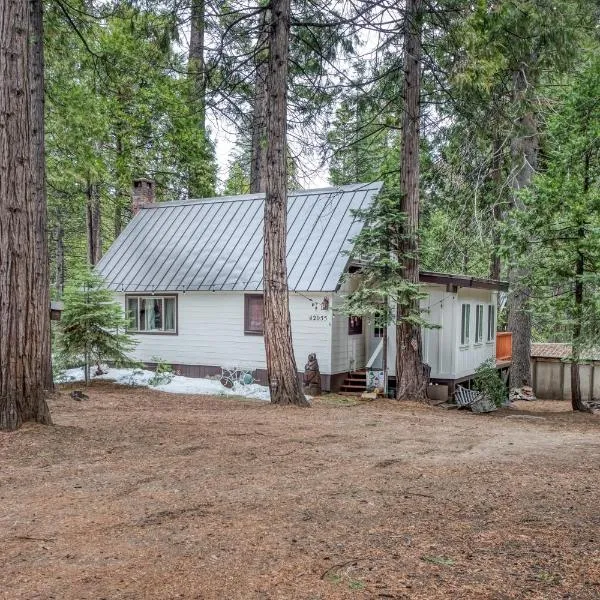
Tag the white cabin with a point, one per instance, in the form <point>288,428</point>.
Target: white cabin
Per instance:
<point>189,274</point>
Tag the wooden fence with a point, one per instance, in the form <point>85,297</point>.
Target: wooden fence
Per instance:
<point>503,346</point>
<point>552,379</point>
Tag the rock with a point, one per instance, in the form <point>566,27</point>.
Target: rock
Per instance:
<point>78,395</point>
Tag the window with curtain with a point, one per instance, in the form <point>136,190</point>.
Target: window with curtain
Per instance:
<point>152,314</point>
<point>355,325</point>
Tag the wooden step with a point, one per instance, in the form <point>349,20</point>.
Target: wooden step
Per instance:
<point>361,376</point>
<point>349,387</point>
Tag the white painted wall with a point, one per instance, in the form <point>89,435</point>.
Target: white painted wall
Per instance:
<point>211,333</point>
<point>348,352</point>
<point>470,356</point>
<point>441,346</point>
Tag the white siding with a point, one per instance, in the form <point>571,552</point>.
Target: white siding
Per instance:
<point>441,346</point>
<point>471,355</point>
<point>438,344</point>
<point>348,352</point>
<point>211,333</point>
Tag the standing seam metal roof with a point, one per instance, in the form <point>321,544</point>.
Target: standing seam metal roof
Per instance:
<point>216,244</point>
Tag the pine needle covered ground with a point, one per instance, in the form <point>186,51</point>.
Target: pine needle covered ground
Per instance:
<point>136,493</point>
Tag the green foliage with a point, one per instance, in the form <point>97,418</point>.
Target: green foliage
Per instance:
<point>117,108</point>
<point>560,219</point>
<point>488,381</point>
<point>378,250</point>
<point>163,373</point>
<point>93,328</point>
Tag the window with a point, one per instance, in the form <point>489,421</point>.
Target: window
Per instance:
<point>254,314</point>
<point>479,323</point>
<point>377,331</point>
<point>491,329</point>
<point>465,323</point>
<point>354,325</point>
<point>152,314</point>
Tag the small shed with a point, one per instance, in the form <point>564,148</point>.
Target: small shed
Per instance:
<point>551,372</point>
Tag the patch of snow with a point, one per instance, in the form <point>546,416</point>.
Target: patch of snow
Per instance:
<point>178,384</point>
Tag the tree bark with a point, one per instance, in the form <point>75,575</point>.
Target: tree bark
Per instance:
<point>496,177</point>
<point>282,372</point>
<point>410,381</point>
<point>93,221</point>
<point>525,148</point>
<point>576,400</point>
<point>59,259</point>
<point>258,151</point>
<point>197,71</point>
<point>39,172</point>
<point>196,64</point>
<point>25,369</point>
<point>119,193</point>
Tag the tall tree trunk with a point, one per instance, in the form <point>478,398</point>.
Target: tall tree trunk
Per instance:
<point>196,64</point>
<point>93,221</point>
<point>409,360</point>
<point>525,148</point>
<point>119,195</point>
<point>39,173</point>
<point>24,282</point>
<point>59,258</point>
<point>496,177</point>
<point>576,400</point>
<point>258,151</point>
<point>281,364</point>
<point>197,71</point>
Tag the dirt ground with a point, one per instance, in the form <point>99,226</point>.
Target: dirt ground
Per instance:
<point>144,495</point>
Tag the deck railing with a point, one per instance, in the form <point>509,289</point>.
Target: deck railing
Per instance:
<point>503,345</point>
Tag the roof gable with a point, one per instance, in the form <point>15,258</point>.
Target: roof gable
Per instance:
<point>216,244</point>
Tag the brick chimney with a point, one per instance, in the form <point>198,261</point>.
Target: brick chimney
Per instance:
<point>142,193</point>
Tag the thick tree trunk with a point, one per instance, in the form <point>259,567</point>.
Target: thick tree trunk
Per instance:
<point>409,360</point>
<point>258,151</point>
<point>39,172</point>
<point>25,370</point>
<point>93,222</point>
<point>281,365</point>
<point>525,148</point>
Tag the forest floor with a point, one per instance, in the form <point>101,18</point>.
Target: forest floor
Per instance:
<point>140,494</point>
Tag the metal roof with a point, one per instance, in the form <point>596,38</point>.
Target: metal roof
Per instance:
<point>216,244</point>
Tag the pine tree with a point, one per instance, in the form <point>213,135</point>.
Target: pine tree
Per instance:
<point>93,326</point>
<point>557,228</point>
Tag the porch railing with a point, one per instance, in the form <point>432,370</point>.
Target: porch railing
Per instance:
<point>503,345</point>
<point>375,354</point>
